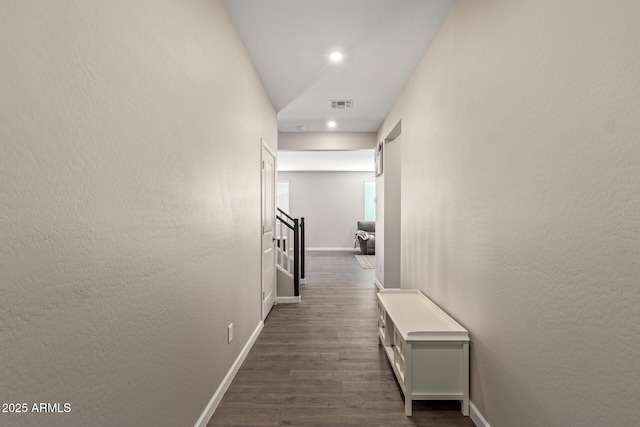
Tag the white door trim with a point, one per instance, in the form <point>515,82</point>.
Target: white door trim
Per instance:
<point>265,146</point>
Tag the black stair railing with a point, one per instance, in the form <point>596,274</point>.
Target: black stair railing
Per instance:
<point>291,253</point>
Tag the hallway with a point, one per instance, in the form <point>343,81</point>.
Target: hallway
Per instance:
<point>319,363</point>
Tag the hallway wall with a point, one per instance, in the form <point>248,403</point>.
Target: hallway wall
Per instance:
<point>129,207</point>
<point>326,140</point>
<point>521,203</point>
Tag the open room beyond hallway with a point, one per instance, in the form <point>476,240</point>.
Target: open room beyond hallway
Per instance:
<point>319,362</point>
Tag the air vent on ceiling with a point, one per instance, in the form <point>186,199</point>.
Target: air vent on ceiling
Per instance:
<point>342,104</point>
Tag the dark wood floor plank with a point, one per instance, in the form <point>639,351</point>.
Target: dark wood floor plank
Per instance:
<point>318,363</point>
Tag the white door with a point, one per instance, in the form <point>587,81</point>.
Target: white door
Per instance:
<point>268,223</point>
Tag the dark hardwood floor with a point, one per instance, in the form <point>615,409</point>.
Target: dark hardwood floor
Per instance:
<point>318,363</point>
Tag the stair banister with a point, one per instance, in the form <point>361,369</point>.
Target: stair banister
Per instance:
<point>295,245</point>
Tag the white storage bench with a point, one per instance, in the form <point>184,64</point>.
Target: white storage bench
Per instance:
<point>427,349</point>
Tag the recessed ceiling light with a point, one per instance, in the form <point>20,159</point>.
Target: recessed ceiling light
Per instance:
<point>336,57</point>
<point>331,124</point>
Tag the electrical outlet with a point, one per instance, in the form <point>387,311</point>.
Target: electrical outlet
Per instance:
<point>229,333</point>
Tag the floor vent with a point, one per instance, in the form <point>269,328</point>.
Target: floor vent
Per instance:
<point>342,104</point>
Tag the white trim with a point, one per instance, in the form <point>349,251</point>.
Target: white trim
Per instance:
<point>476,416</point>
<point>288,300</point>
<point>303,281</point>
<point>378,284</point>
<point>226,382</point>
<point>264,144</point>
<point>333,249</point>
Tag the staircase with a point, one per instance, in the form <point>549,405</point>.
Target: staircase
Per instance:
<point>290,256</point>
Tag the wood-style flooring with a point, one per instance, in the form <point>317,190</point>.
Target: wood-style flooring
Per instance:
<point>318,363</point>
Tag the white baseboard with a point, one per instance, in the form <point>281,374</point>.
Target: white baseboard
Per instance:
<point>476,416</point>
<point>288,300</point>
<point>378,284</point>
<point>332,249</point>
<point>226,382</point>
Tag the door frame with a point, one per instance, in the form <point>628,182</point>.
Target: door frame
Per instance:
<point>264,145</point>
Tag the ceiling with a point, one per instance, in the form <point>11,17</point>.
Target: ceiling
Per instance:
<point>352,161</point>
<point>290,42</point>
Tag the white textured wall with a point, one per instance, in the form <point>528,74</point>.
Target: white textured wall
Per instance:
<point>331,203</point>
<point>129,207</point>
<point>392,254</point>
<point>380,225</point>
<point>521,203</point>
<point>326,140</point>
